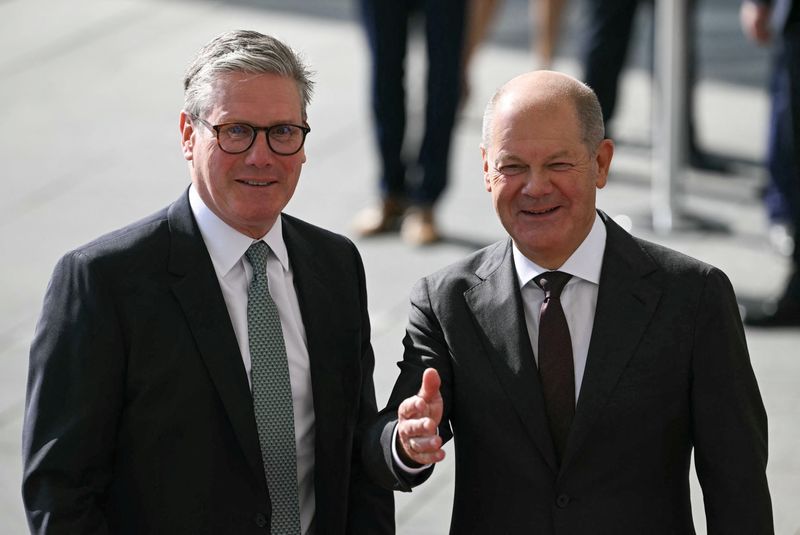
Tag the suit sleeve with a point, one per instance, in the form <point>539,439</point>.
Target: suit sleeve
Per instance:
<point>729,421</point>
<point>371,508</point>
<point>74,397</point>
<point>424,347</point>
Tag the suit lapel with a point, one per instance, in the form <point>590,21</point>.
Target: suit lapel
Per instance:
<point>317,307</point>
<point>198,292</point>
<point>317,296</point>
<point>496,303</point>
<point>625,303</point>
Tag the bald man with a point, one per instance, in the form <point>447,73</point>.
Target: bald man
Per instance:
<point>575,366</point>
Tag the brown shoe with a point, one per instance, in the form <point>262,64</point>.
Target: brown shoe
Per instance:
<point>380,219</point>
<point>419,228</point>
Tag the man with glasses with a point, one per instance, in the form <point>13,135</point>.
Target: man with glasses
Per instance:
<point>208,369</point>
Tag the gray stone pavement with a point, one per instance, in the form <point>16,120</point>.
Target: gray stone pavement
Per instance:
<point>90,92</point>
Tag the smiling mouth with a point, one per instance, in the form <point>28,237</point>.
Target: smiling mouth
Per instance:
<point>541,212</point>
<point>256,183</point>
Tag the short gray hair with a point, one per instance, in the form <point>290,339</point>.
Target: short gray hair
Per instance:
<point>590,116</point>
<point>242,51</point>
<point>488,116</point>
<point>587,109</point>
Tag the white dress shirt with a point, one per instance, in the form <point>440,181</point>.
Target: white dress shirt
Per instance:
<point>578,299</point>
<point>227,247</point>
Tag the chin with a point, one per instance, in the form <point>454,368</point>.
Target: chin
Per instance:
<point>538,244</point>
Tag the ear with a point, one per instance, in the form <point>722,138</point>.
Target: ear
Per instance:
<point>485,157</point>
<point>603,156</point>
<point>187,135</point>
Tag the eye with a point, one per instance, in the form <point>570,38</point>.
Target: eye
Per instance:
<point>236,130</point>
<point>512,169</point>
<point>560,166</point>
<point>283,131</point>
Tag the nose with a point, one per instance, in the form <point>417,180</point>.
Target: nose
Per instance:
<point>537,185</point>
<point>259,154</point>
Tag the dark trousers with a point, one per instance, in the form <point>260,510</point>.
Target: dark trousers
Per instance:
<point>387,25</point>
<point>783,189</point>
<point>605,49</point>
<point>608,34</point>
<point>783,153</point>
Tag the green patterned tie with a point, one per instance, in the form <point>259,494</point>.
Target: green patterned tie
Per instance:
<point>272,396</point>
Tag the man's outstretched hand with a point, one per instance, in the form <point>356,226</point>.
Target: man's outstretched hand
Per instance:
<point>418,418</point>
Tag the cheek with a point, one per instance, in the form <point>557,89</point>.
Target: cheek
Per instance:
<point>588,194</point>
<point>577,189</point>
<point>293,167</point>
<point>492,180</point>
<point>508,189</point>
<point>504,201</point>
<point>204,155</point>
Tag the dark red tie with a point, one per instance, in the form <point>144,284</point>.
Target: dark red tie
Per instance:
<point>556,369</point>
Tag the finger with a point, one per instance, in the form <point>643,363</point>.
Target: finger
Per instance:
<point>420,450</point>
<point>411,408</point>
<point>425,457</point>
<point>425,444</point>
<point>430,385</point>
<point>416,427</point>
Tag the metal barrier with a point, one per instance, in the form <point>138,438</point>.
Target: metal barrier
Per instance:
<point>669,129</point>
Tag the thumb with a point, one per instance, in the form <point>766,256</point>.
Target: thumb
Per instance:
<point>430,385</point>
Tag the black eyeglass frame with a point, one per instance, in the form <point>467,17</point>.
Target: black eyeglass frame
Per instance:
<point>256,129</point>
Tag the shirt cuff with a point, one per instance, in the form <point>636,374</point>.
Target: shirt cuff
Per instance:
<point>400,463</point>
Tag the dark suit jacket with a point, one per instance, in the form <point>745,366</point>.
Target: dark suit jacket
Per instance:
<point>667,370</point>
<point>139,416</point>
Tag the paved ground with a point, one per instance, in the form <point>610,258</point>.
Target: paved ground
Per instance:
<point>90,95</point>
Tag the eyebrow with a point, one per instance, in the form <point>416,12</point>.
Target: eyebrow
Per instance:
<point>506,157</point>
<point>559,154</point>
<point>250,123</point>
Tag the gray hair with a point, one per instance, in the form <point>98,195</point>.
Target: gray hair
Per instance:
<point>242,51</point>
<point>488,115</point>
<point>587,109</point>
<point>590,116</point>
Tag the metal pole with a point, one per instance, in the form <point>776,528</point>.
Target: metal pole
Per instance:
<point>669,129</point>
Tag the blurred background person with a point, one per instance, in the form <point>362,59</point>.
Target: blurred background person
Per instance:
<point>545,19</point>
<point>778,22</point>
<point>409,190</point>
<point>608,33</point>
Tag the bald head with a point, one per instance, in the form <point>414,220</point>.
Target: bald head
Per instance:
<point>537,89</point>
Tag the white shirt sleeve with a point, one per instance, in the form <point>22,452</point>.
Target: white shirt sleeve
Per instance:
<point>399,462</point>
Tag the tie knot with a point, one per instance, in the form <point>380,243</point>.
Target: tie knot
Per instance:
<point>552,282</point>
<point>257,256</point>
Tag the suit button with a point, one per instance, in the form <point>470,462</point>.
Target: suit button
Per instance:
<point>562,501</point>
<point>261,520</point>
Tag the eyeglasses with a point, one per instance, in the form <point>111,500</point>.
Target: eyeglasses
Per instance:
<point>235,138</point>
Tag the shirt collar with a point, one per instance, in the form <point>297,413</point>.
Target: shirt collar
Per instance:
<point>225,245</point>
<point>585,263</point>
